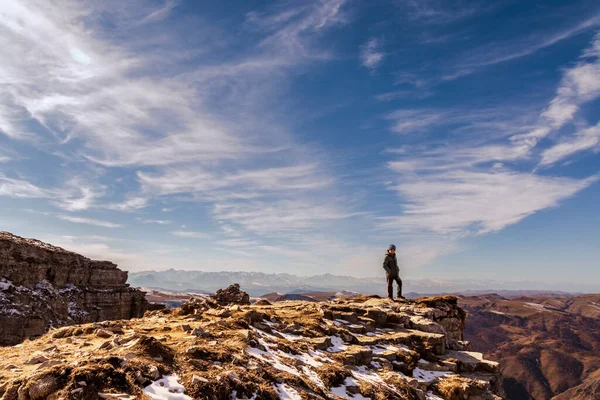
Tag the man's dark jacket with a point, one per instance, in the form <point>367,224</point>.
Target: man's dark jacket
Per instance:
<point>390,264</point>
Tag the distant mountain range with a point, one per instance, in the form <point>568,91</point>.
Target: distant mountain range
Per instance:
<point>259,283</point>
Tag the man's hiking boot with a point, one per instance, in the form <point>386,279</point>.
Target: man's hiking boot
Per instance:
<point>400,298</point>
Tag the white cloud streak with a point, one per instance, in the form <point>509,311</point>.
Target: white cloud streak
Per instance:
<point>460,202</point>
<point>161,13</point>
<point>190,234</point>
<point>75,195</point>
<point>193,132</point>
<point>584,139</point>
<point>371,55</point>
<point>503,52</point>
<point>18,188</point>
<point>154,221</point>
<point>88,221</point>
<point>579,85</point>
<point>476,188</point>
<point>132,204</point>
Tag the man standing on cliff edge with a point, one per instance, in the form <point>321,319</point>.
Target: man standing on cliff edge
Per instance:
<point>390,264</point>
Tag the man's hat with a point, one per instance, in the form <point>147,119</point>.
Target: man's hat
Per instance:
<point>392,247</point>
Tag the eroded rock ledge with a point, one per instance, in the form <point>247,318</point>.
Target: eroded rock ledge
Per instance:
<point>44,286</point>
<point>361,348</point>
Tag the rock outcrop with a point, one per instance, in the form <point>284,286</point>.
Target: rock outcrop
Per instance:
<point>232,295</point>
<point>362,348</point>
<point>43,286</point>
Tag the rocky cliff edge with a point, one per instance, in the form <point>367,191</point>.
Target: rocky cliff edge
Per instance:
<point>361,348</point>
<point>44,286</point>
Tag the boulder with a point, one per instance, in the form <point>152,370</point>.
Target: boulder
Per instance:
<point>231,295</point>
<point>470,361</point>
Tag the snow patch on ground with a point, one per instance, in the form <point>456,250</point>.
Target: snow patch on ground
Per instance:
<point>536,306</point>
<point>287,392</point>
<point>167,388</point>
<point>313,376</point>
<point>308,359</point>
<point>337,345</point>
<point>432,396</point>
<point>5,284</point>
<point>233,396</point>
<point>595,305</point>
<point>289,336</point>
<point>342,391</point>
<point>272,357</point>
<point>382,348</point>
<point>366,375</point>
<point>428,376</point>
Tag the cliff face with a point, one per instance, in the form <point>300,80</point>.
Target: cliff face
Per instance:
<point>43,286</point>
<point>361,348</point>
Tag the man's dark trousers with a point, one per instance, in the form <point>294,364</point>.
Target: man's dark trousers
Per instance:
<point>390,287</point>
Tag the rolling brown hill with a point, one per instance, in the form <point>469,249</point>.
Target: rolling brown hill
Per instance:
<point>548,347</point>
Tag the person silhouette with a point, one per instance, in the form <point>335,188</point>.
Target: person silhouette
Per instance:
<point>390,265</point>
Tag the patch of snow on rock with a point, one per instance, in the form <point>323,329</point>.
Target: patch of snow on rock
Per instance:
<point>428,376</point>
<point>432,396</point>
<point>5,284</point>
<point>337,345</point>
<point>382,348</point>
<point>342,391</point>
<point>287,392</point>
<point>272,358</point>
<point>364,374</point>
<point>166,388</point>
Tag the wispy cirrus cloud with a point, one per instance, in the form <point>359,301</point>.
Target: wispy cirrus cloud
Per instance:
<point>496,53</point>
<point>154,221</point>
<point>276,217</point>
<point>403,94</point>
<point>74,195</point>
<point>192,131</point>
<point>461,201</point>
<point>582,140</point>
<point>190,234</point>
<point>19,188</point>
<point>161,13</point>
<point>580,84</point>
<point>476,188</point>
<point>89,221</point>
<point>472,186</point>
<point>77,219</point>
<point>496,121</point>
<point>441,12</point>
<point>407,121</point>
<point>371,54</point>
<point>134,203</point>
<point>7,155</point>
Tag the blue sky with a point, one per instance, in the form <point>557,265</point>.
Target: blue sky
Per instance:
<point>304,137</point>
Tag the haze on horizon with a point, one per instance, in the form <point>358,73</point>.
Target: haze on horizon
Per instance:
<point>306,137</point>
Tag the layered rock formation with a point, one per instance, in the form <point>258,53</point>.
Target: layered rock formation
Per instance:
<point>364,348</point>
<point>43,286</point>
